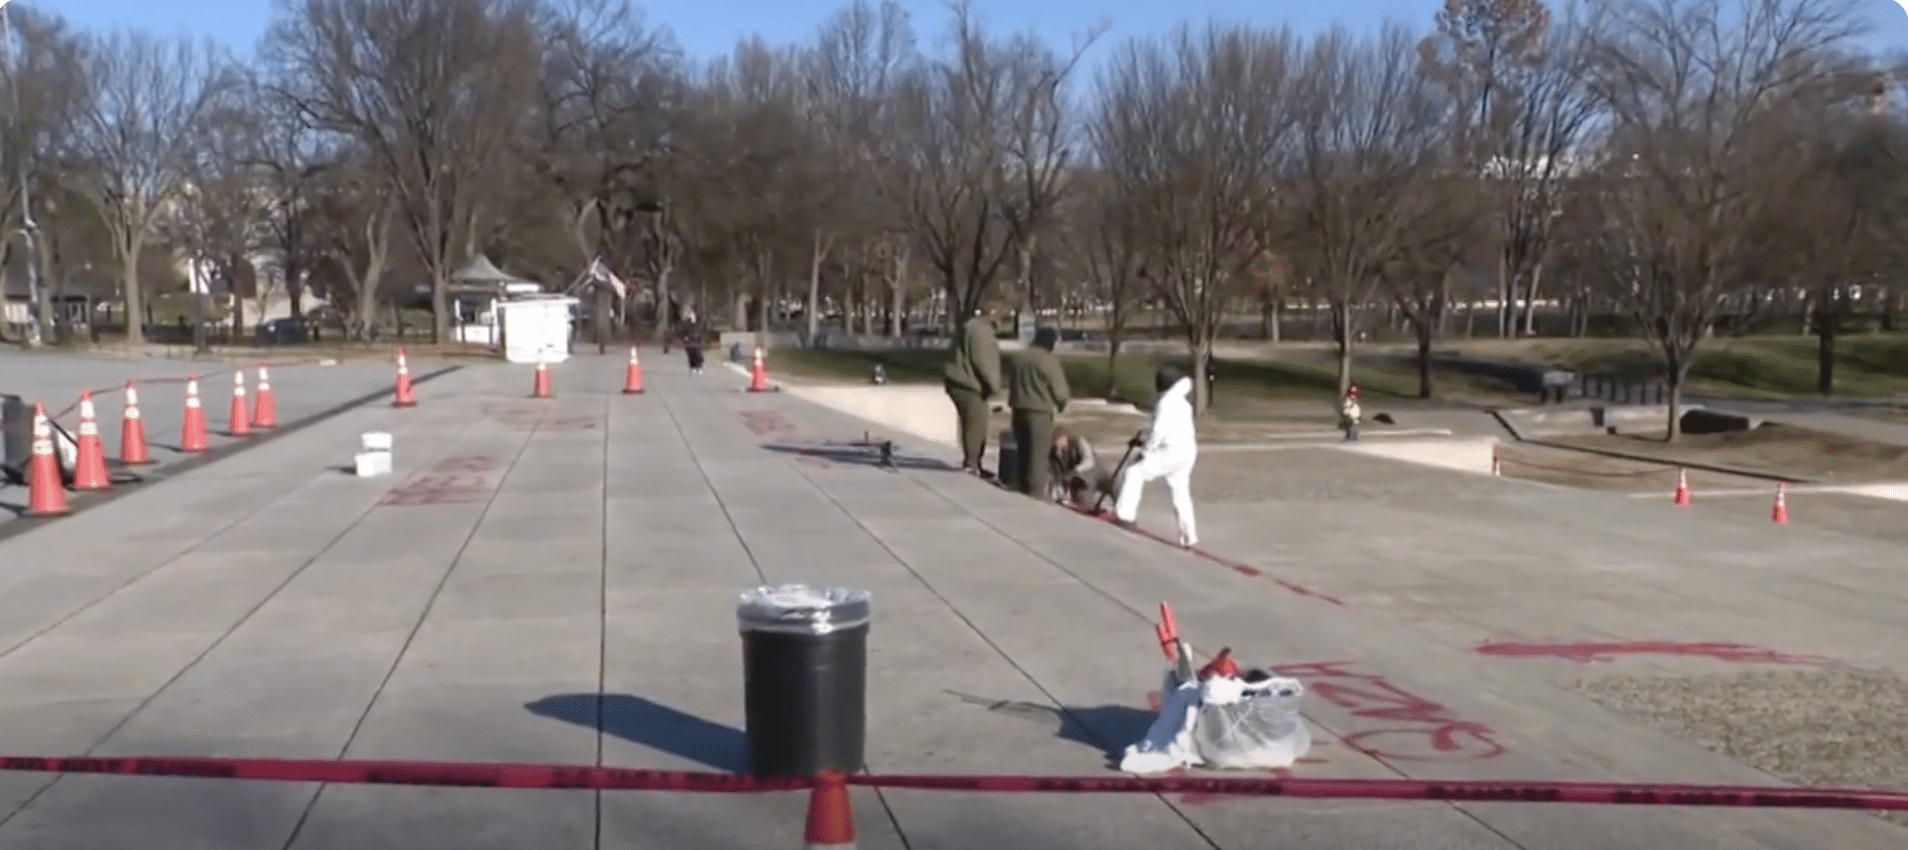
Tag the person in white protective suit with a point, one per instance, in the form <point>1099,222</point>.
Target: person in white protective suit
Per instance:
<point>1168,451</point>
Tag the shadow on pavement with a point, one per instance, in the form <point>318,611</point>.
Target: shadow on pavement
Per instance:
<point>1108,728</point>
<point>863,455</point>
<point>650,724</point>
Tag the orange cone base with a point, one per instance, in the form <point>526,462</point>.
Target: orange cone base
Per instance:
<point>404,403</point>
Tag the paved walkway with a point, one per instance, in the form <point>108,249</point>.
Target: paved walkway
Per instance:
<point>532,561</point>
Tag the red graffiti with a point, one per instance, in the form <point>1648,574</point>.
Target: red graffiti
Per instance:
<point>526,417</point>
<point>1429,732</point>
<point>440,489</point>
<point>1589,652</point>
<point>812,460</point>
<point>1203,799</point>
<point>468,463</point>
<point>762,423</point>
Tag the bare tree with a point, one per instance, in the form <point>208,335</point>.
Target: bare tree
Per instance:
<point>1699,90</point>
<point>1103,235</point>
<point>977,148</point>
<point>859,55</point>
<point>1370,136</point>
<point>435,90</point>
<point>353,221</point>
<point>1522,110</point>
<point>46,92</point>
<point>136,135</point>
<point>611,88</point>
<point>1189,132</point>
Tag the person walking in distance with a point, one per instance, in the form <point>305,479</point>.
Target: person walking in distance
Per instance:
<point>973,376</point>
<point>1168,449</point>
<point>692,341</point>
<point>1036,393</point>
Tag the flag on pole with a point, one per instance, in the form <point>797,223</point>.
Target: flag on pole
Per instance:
<point>600,273</point>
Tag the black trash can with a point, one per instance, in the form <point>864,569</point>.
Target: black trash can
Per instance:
<point>805,678</point>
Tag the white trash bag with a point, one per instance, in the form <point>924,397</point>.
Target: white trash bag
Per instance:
<point>1251,723</point>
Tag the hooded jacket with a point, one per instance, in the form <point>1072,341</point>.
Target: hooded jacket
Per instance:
<point>1172,434</point>
<point>976,363</point>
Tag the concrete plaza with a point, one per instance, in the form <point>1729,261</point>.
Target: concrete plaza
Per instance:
<point>554,581</point>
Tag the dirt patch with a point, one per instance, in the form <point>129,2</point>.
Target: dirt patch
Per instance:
<point>1825,728</point>
<point>1601,472</point>
<point>1773,449</point>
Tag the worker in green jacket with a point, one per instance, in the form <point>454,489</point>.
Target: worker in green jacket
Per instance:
<point>1037,392</point>
<point>972,378</point>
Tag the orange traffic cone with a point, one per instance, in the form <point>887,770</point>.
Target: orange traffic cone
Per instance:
<point>401,394</point>
<point>132,432</point>
<point>1681,497</point>
<point>45,495</point>
<point>540,387</point>
<point>239,420</point>
<point>192,434</point>
<point>264,407</point>
<point>633,376</point>
<point>89,461</point>
<point>1780,513</point>
<point>831,818</point>
<point>758,374</point>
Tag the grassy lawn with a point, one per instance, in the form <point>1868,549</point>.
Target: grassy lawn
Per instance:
<point>1132,375</point>
<point>1869,365</point>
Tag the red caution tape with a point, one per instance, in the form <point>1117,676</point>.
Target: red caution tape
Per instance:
<point>481,775</point>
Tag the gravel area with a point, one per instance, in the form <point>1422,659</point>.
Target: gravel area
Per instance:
<point>1780,449</point>
<point>1823,727</point>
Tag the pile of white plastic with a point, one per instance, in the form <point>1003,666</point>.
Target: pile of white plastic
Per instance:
<point>1247,721</point>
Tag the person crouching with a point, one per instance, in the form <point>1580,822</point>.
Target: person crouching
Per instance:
<point>1077,475</point>
<point>1168,451</point>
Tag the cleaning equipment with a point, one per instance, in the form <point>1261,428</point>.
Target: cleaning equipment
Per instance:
<point>89,465</point>
<point>132,432</point>
<point>540,387</point>
<point>1220,716</point>
<point>633,375</point>
<point>1780,513</point>
<point>831,816</point>
<point>1131,445</point>
<point>401,394</point>
<point>758,374</point>
<point>192,433</point>
<point>45,495</point>
<point>1682,488</point>
<point>264,407</point>
<point>239,420</point>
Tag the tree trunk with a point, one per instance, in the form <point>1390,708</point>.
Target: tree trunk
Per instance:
<point>1344,335</point>
<point>1676,376</point>
<point>1536,273</point>
<point>1201,344</point>
<point>813,311</point>
<point>130,245</point>
<point>1826,325</point>
<point>1426,332</point>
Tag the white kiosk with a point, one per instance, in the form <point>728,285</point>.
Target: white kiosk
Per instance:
<point>536,327</point>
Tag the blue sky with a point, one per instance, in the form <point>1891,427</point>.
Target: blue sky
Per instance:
<point>710,27</point>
